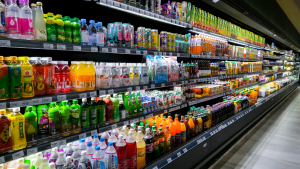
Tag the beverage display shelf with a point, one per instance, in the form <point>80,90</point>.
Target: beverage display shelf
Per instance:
<point>46,99</point>
<point>278,58</point>
<point>273,65</point>
<point>273,50</point>
<point>209,78</point>
<point>203,142</point>
<point>141,12</point>
<point>223,58</point>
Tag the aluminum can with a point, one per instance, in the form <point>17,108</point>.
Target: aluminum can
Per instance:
<point>183,11</point>
<point>154,39</point>
<point>126,35</point>
<point>141,40</point>
<point>188,12</point>
<point>169,41</point>
<point>178,11</point>
<point>132,36</point>
<point>118,34</point>
<point>148,38</point>
<point>110,34</point>
<point>173,4</point>
<point>173,42</point>
<point>163,41</point>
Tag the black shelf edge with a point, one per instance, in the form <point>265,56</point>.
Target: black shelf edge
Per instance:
<point>198,56</point>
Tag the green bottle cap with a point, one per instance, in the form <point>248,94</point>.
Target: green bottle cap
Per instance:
<point>75,101</point>
<point>29,108</point>
<point>154,131</point>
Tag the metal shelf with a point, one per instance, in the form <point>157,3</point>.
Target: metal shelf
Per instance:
<point>273,50</point>
<point>223,58</point>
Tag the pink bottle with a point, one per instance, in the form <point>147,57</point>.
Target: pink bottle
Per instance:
<point>13,20</point>
<point>113,138</point>
<point>65,77</point>
<point>57,75</point>
<point>26,20</point>
<point>105,135</point>
<point>121,149</point>
<point>131,151</point>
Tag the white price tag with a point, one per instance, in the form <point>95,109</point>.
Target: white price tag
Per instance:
<point>155,167</point>
<point>105,50</point>
<point>93,94</point>
<point>184,150</point>
<point>37,101</point>
<point>94,132</point>
<point>126,123</point>
<point>26,103</point>
<point>137,88</point>
<point>150,116</point>
<point>157,16</point>
<point>162,85</point>
<point>129,89</point>
<point>2,160</point>
<point>155,53</point>
<point>18,155</point>
<point>82,95</point>
<point>61,47</point>
<point>138,52</point>
<point>111,91</point>
<point>114,126</point>
<point>198,141</point>
<point>124,6</point>
<point>48,46</point>
<point>55,144</point>
<point>127,51</point>
<point>141,118</point>
<point>4,43</point>
<point>110,2</point>
<point>147,13</point>
<point>117,4</point>
<point>15,104</point>
<point>130,8</point>
<point>179,154</point>
<point>174,83</point>
<point>77,48</point>
<point>103,1</point>
<point>161,17</point>
<point>61,97</point>
<point>152,86</point>
<point>170,54</point>
<point>136,10</point>
<point>145,87</point>
<point>173,20</point>
<point>151,14</point>
<point>47,99</point>
<point>102,92</point>
<point>31,151</point>
<point>145,52</point>
<point>169,160</point>
<point>165,53</point>
<point>165,111</point>
<point>62,142</point>
<point>142,11</point>
<point>114,50</point>
<point>94,49</point>
<point>176,21</point>
<point>182,82</point>
<point>3,105</point>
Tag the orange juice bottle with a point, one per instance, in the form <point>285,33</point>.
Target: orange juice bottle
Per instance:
<point>169,120</point>
<point>72,74</point>
<point>192,126</point>
<point>80,77</point>
<point>173,133</point>
<point>200,123</point>
<point>178,130</point>
<point>183,132</point>
<point>90,76</point>
<point>164,123</point>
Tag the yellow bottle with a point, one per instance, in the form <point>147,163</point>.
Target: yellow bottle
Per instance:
<point>72,74</point>
<point>183,132</point>
<point>27,78</point>
<point>90,77</point>
<point>200,124</point>
<point>18,129</point>
<point>80,77</point>
<point>7,60</point>
<point>140,150</point>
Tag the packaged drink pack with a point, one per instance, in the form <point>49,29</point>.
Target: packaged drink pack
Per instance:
<point>60,29</point>
<point>76,33</point>
<point>118,34</point>
<point>51,30</point>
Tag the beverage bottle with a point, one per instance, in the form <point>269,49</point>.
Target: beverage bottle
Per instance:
<point>100,36</point>
<point>65,81</point>
<point>75,118</point>
<point>31,126</point>
<point>49,77</point>
<point>96,141</point>
<point>69,150</point>
<point>90,151</point>
<point>141,150</point>
<point>26,22</point>
<point>156,143</point>
<point>72,74</point>
<point>133,105</point>
<point>80,77</point>
<point>37,162</point>
<point>61,161</point>
<point>113,138</point>
<point>60,29</point>
<point>84,161</point>
<point>111,158</point>
<point>5,128</point>
<point>127,105</point>
<point>18,134</point>
<point>109,110</point>
<point>68,29</point>
<point>4,95</point>
<point>90,76</point>
<point>123,133</point>
<point>13,20</point>
<point>162,139</point>
<point>148,138</point>
<point>44,163</point>
<point>84,32</point>
<point>76,31</point>
<point>183,132</point>
<point>51,30</point>
<point>82,145</point>
<point>101,110</point>
<point>27,78</point>
<point>103,145</point>
<point>54,155</point>
<point>131,151</point>
<point>92,33</point>
<point>54,120</point>
<point>121,150</point>
<point>69,163</point>
<point>14,71</point>
<point>122,111</point>
<point>57,75</point>
<point>38,76</point>
<point>7,60</point>
<point>98,159</point>
<point>39,27</point>
<point>115,108</point>
<point>178,130</point>
<point>192,126</point>
<point>168,144</point>
<point>196,122</point>
<point>85,114</point>
<point>65,126</point>
<point>93,111</point>
<point>43,121</point>
<point>3,28</point>
<point>75,157</point>
<point>187,126</point>
<point>139,106</point>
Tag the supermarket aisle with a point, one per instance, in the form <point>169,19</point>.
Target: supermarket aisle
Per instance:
<point>274,143</point>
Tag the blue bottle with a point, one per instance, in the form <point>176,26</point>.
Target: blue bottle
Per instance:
<point>100,37</point>
<point>84,32</point>
<point>92,33</point>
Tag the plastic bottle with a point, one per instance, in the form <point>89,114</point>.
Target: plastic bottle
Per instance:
<point>84,162</point>
<point>122,111</point>
<point>26,22</point>
<point>54,120</point>
<point>133,105</point>
<point>43,121</point>
<point>75,118</point>
<point>17,129</point>
<point>85,114</point>
<point>4,85</point>
<point>80,77</point>
<point>92,33</point>
<point>192,126</point>
<point>25,166</point>
<point>131,151</point>
<point>84,32</point>
<point>51,30</point>
<point>100,37</point>
<point>72,74</point>
<point>101,110</point>
<point>68,29</point>
<point>90,151</point>
<point>141,150</point>
<point>162,140</point>
<point>3,28</point>
<point>178,130</point>
<point>44,163</point>
<point>60,30</point>
<point>57,75</point>
<point>65,79</point>
<point>76,31</point>
<point>69,163</point>
<point>98,159</point>
<point>5,128</point>
<point>54,155</point>
<point>183,132</point>
<point>69,150</point>
<point>113,138</point>
<point>82,145</point>
<point>14,71</point>
<point>38,76</point>
<point>31,126</point>
<point>109,110</point>
<point>139,106</point>
<point>156,144</point>
<point>65,122</point>
<point>102,145</point>
<point>49,77</point>
<point>13,20</point>
<point>148,138</point>
<point>27,78</point>
<point>121,152</point>
<point>39,27</point>
<point>75,157</point>
<point>93,111</point>
<point>61,161</point>
<point>96,141</point>
<point>90,76</point>
<point>111,158</point>
<point>127,104</point>
<point>115,108</point>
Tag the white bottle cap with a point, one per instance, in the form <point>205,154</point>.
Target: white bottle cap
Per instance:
<point>84,62</point>
<point>49,58</point>
<point>139,132</point>
<point>39,154</point>
<point>73,62</point>
<point>83,153</point>
<point>25,166</point>
<point>89,62</point>
<point>76,148</point>
<point>68,159</point>
<point>84,100</point>
<point>54,149</point>
<point>54,62</point>
<point>69,144</point>
<point>60,154</point>
<point>1,166</point>
<point>16,109</point>
<point>51,165</point>
<point>65,62</point>
<point>93,98</point>
<point>120,136</point>
<point>44,160</point>
<point>20,160</point>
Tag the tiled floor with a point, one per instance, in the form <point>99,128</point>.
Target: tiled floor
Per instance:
<point>274,143</point>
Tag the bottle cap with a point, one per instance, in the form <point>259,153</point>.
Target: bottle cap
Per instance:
<point>33,5</point>
<point>121,102</point>
<point>84,100</point>
<point>54,149</point>
<point>39,3</point>
<point>82,140</point>
<point>2,111</point>
<point>92,22</point>
<point>76,148</point>
<point>83,153</point>
<point>99,23</point>
<point>44,160</point>
<point>102,140</point>
<point>96,136</point>
<point>110,143</point>
<point>60,154</point>
<point>69,145</point>
<point>75,101</point>
<point>14,58</point>
<point>83,20</point>
<point>50,14</point>
<point>25,166</point>
<point>93,98</point>
<point>83,62</point>
<point>89,62</point>
<point>97,148</point>
<point>89,144</point>
<point>68,159</point>
<point>167,127</point>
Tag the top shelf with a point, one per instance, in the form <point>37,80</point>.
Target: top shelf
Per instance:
<point>273,50</point>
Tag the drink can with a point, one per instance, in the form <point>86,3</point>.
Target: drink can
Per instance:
<point>110,33</point>
<point>183,11</point>
<point>126,35</point>
<point>173,4</point>
<point>158,6</point>
<point>105,35</point>
<point>169,41</point>
<point>118,34</point>
<point>132,36</point>
<point>173,40</point>
<point>188,12</point>
<point>141,38</point>
<point>178,11</point>
<point>148,38</point>
<point>163,41</point>
<point>154,39</point>
<point>135,40</point>
<point>176,42</point>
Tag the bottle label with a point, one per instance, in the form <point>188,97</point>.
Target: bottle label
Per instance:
<point>40,34</point>
<point>84,36</point>
<point>31,126</point>
<point>168,140</point>
<point>141,152</point>
<point>14,25</point>
<point>93,113</point>
<point>90,81</point>
<point>38,80</point>
<point>75,115</point>
<point>27,80</point>
<point>76,162</point>
<point>50,80</point>
<point>54,121</point>
<point>85,165</point>
<point>85,117</point>
<point>156,148</point>
<point>116,113</point>
<point>3,79</point>
<point>183,135</point>
<point>92,38</point>
<point>65,81</point>
<point>5,134</point>
<point>59,166</point>
<point>99,163</point>
<point>149,148</point>
<point>178,138</point>
<point>27,27</point>
<point>131,162</point>
<point>123,114</point>
<point>43,120</point>
<point>172,142</point>
<point>101,110</point>
<point>161,144</point>
<point>79,82</point>
<point>100,38</point>
<point>123,164</point>
<point>111,160</point>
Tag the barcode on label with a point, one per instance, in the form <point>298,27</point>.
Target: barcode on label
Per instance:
<point>61,47</point>
<point>26,103</point>
<point>102,92</point>
<point>137,88</point>
<point>126,123</point>
<point>129,89</point>
<point>2,160</point>
<point>18,155</point>
<point>141,118</point>
<point>138,52</point>
<point>77,48</point>
<point>16,104</point>
<point>169,160</point>
<point>145,52</point>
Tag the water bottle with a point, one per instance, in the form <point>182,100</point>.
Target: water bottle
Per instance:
<point>89,150</point>
<point>82,145</point>
<point>113,138</point>
<point>84,162</point>
<point>92,33</point>
<point>84,32</point>
<point>111,158</point>
<point>75,157</point>
<point>100,34</point>
<point>98,159</point>
<point>61,161</point>
<point>96,141</point>
<point>102,145</point>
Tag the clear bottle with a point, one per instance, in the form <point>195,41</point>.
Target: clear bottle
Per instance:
<point>13,20</point>
<point>82,145</point>
<point>98,159</point>
<point>90,151</point>
<point>113,138</point>
<point>103,145</point>
<point>68,29</point>
<point>111,158</point>
<point>61,161</point>
<point>92,33</point>
<point>76,157</point>
<point>100,37</point>
<point>39,27</point>
<point>84,31</point>
<point>26,22</point>
<point>69,163</point>
<point>38,161</point>
<point>96,141</point>
<point>49,77</point>
<point>69,150</point>
<point>84,161</point>
<point>122,152</point>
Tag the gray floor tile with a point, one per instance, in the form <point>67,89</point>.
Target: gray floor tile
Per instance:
<point>259,162</point>
<point>284,141</point>
<point>220,166</point>
<point>288,132</point>
<point>236,159</point>
<point>248,145</point>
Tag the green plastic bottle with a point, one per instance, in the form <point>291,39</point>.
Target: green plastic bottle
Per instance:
<point>65,121</point>
<point>68,29</point>
<point>93,111</point>
<point>51,30</point>
<point>4,83</point>
<point>54,120</point>
<point>127,105</point>
<point>116,114</point>
<point>85,114</point>
<point>60,29</point>
<point>43,121</point>
<point>76,31</point>
<point>139,106</point>
<point>31,126</point>
<point>14,71</point>
<point>101,110</point>
<point>133,106</point>
<point>75,117</point>
<point>33,109</point>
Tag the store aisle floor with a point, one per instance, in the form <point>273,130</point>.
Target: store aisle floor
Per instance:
<point>274,143</point>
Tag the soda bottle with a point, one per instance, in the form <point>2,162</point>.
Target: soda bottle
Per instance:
<point>69,150</point>
<point>196,122</point>
<point>102,144</point>
<point>75,118</point>
<point>76,157</point>
<point>98,159</point>
<point>131,151</point>
<point>65,81</point>
<point>61,161</point>
<point>69,163</point>
<point>26,78</point>
<point>38,76</point>
<point>14,71</point>
<point>183,132</point>
<point>85,114</point>
<point>101,110</point>
<point>109,110</point>
<point>121,152</point>
<point>31,126</point>
<point>49,77</point>
<point>51,30</point>
<point>90,151</point>
<point>26,22</point>
<point>84,161</point>
<point>93,111</point>
<point>17,129</point>
<point>39,27</point>
<point>168,144</point>
<point>148,138</point>
<point>68,29</point>
<point>5,130</point>
<point>84,32</point>
<point>92,33</point>
<point>65,127</point>
<point>76,31</point>
<point>192,126</point>
<point>54,155</point>
<point>111,158</point>
<point>187,126</point>
<point>127,104</point>
<point>60,30</point>
<point>156,143</point>
<point>100,37</point>
<point>13,20</point>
